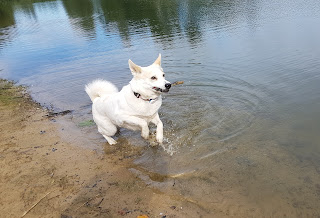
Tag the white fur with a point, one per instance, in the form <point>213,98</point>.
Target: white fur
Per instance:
<point>99,88</point>
<point>112,109</point>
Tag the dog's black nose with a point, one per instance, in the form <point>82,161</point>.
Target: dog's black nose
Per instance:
<point>168,85</point>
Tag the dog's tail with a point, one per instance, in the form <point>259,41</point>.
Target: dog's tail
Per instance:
<point>98,88</point>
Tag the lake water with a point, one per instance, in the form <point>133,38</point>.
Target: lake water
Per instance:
<point>242,132</point>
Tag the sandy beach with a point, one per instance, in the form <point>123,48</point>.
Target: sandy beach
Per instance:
<point>48,171</point>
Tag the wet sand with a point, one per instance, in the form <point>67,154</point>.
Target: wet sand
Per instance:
<point>46,172</point>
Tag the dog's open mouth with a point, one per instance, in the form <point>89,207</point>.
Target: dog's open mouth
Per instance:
<point>160,90</point>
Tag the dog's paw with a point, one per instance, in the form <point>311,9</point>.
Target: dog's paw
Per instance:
<point>110,140</point>
<point>145,134</point>
<point>159,139</point>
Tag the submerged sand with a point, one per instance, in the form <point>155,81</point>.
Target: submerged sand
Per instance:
<point>46,172</point>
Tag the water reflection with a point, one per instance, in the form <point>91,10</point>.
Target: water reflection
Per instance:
<point>6,20</point>
<point>6,15</point>
<point>165,20</point>
<point>81,14</point>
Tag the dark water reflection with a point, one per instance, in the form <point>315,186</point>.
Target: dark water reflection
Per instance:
<point>243,127</point>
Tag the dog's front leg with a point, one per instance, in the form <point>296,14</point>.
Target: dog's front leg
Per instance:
<point>156,120</point>
<point>135,121</point>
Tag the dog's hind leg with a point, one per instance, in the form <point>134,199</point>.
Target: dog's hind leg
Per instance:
<point>110,140</point>
<point>107,129</point>
<point>107,134</point>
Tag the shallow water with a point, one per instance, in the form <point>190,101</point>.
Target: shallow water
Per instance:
<point>242,132</point>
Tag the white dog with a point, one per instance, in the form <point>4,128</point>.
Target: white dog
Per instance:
<point>134,107</point>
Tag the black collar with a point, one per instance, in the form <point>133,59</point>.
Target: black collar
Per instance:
<point>139,96</point>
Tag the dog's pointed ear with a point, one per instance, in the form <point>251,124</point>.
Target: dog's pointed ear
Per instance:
<point>158,61</point>
<point>134,68</point>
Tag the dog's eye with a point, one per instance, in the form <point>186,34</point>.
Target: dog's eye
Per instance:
<point>163,75</point>
<point>154,78</point>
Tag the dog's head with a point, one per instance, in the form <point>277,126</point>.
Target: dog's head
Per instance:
<point>149,79</point>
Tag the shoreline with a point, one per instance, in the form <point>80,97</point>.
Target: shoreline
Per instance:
<point>48,171</point>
